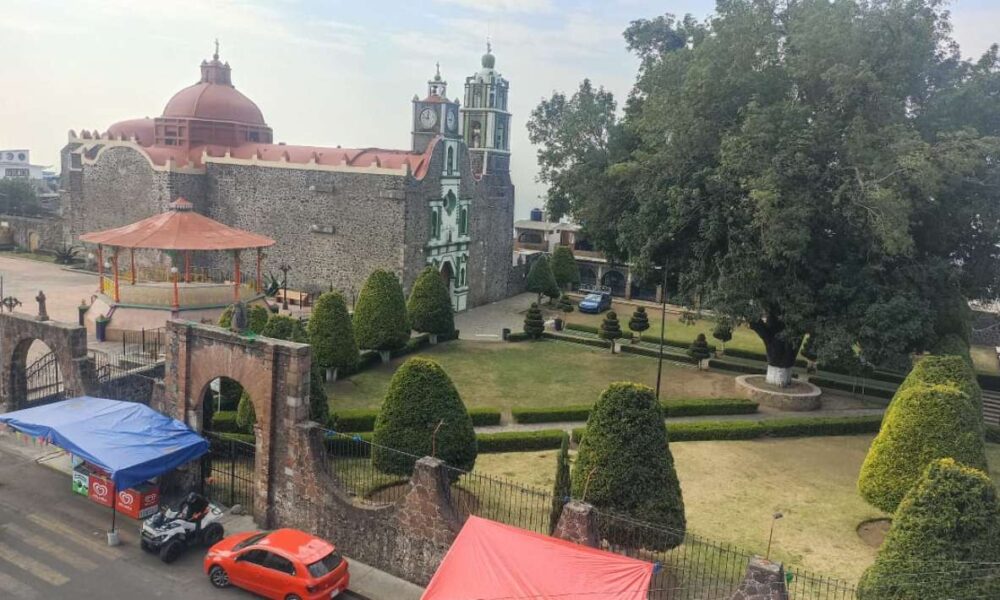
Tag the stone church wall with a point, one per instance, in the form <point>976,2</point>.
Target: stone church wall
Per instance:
<point>491,222</point>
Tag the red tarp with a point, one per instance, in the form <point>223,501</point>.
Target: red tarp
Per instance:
<point>492,560</point>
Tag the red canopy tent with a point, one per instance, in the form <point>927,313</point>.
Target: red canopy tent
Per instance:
<point>492,560</point>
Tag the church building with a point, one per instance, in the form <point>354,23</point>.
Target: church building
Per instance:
<point>336,213</point>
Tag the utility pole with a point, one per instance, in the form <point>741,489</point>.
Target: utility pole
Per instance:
<point>663,327</point>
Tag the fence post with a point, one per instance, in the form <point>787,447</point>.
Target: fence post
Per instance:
<point>232,472</point>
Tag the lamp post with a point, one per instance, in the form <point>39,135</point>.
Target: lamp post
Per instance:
<point>663,327</point>
<point>774,520</point>
<point>177,301</point>
<point>284,268</point>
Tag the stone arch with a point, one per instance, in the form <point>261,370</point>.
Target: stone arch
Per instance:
<point>615,280</point>
<point>67,341</point>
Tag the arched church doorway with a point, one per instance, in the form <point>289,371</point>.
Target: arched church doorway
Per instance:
<point>447,274</point>
<point>34,241</point>
<point>229,423</point>
<point>35,375</point>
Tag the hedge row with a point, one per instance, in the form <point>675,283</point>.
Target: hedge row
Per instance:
<point>247,438</point>
<point>224,421</point>
<point>847,386</point>
<point>363,419</point>
<point>520,441</point>
<point>715,363</point>
<point>655,353</point>
<point>748,430</point>
<point>577,340</point>
<point>680,407</point>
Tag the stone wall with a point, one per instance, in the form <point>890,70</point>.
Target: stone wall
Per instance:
<point>135,385</point>
<point>51,235</point>
<point>67,340</point>
<point>491,222</point>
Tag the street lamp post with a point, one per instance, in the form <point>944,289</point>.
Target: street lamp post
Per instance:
<point>284,268</point>
<point>663,327</point>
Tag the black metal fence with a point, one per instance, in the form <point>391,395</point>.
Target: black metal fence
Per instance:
<point>43,380</point>
<point>125,376</point>
<point>688,566</point>
<point>229,466</point>
<point>144,342</point>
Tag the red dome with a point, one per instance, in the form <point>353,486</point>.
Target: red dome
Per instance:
<point>141,129</point>
<point>214,102</point>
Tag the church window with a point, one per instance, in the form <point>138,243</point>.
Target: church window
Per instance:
<point>451,159</point>
<point>463,221</point>
<point>435,224</point>
<point>461,277</point>
<point>493,97</point>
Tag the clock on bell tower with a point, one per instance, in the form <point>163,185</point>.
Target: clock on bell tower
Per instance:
<point>434,115</point>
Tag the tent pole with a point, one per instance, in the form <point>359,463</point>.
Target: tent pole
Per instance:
<point>131,258</point>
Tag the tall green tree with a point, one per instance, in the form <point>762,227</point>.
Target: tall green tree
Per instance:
<point>802,174</point>
<point>564,267</point>
<point>332,335</point>
<point>18,197</point>
<point>430,307</point>
<point>380,321</point>
<point>541,280</point>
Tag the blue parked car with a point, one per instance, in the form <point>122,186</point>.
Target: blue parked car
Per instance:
<point>595,302</point>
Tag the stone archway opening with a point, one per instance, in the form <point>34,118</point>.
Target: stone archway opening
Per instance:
<point>35,375</point>
<point>229,423</point>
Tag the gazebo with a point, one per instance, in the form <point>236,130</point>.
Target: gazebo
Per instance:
<point>136,297</point>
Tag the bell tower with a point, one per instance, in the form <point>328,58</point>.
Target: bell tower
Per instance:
<point>485,118</point>
<point>434,115</point>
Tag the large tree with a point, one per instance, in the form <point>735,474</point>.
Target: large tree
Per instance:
<point>429,306</point>
<point>380,321</point>
<point>808,167</point>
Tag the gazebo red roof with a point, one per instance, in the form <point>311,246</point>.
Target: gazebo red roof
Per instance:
<point>179,228</point>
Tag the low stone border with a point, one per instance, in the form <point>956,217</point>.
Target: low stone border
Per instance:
<point>790,400</point>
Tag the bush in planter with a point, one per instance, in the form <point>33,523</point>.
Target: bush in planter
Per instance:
<point>611,329</point>
<point>564,267</point>
<point>723,332</point>
<point>922,424</point>
<point>534,323</point>
<point>541,280</point>
<point>332,335</point>
<point>699,349</point>
<point>419,398</point>
<point>257,317</point>
<point>624,465</point>
<point>380,321</point>
<point>639,321</point>
<point>429,308</point>
<point>945,530</point>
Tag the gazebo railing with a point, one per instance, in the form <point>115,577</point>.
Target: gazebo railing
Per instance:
<point>162,274</point>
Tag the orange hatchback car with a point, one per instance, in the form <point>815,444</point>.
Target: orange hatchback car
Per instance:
<point>286,564</point>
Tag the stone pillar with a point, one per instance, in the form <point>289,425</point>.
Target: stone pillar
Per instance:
<point>628,285</point>
<point>426,511</point>
<point>659,293</point>
<point>764,580</point>
<point>578,524</point>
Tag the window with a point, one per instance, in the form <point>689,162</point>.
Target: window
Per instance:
<point>255,557</point>
<point>451,159</point>
<point>435,224</point>
<point>463,222</point>
<point>461,277</point>
<point>493,97</point>
<point>250,541</point>
<point>279,563</point>
<point>325,565</point>
<point>253,136</point>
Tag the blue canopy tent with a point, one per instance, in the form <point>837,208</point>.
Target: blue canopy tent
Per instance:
<point>130,441</point>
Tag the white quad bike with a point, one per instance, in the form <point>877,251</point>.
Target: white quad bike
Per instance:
<point>194,523</point>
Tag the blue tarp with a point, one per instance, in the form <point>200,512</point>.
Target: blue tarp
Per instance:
<point>130,441</point>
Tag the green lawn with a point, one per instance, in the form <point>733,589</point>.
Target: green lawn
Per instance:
<point>732,488</point>
<point>985,359</point>
<point>29,256</point>
<point>545,373</point>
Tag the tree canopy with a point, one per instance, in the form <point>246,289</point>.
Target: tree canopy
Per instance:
<point>803,171</point>
<point>541,280</point>
<point>564,267</point>
<point>430,307</point>
<point>380,321</point>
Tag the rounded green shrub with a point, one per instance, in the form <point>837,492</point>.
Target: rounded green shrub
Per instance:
<point>246,416</point>
<point>610,329</point>
<point>564,267</point>
<point>723,332</point>
<point>226,318</point>
<point>380,321</point>
<point>420,397</point>
<point>923,423</point>
<point>944,370</point>
<point>953,345</point>
<point>283,327</point>
<point>331,333</point>
<point>639,321</point>
<point>565,304</point>
<point>699,348</point>
<point>945,532</point>
<point>624,465</point>
<point>541,280</point>
<point>430,307</point>
<point>257,317</point>
<point>534,322</point>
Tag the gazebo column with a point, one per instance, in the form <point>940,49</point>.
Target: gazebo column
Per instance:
<point>187,266</point>
<point>114,267</point>
<point>260,256</point>
<point>131,259</point>
<point>236,264</point>
<point>100,269</point>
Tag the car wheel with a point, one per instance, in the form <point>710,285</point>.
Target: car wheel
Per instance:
<point>212,535</point>
<point>292,597</point>
<point>218,576</point>
<point>171,551</point>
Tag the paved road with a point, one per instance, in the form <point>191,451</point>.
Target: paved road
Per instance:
<point>53,546</point>
<point>23,278</point>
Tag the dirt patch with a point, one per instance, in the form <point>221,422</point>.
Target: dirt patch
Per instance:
<point>873,531</point>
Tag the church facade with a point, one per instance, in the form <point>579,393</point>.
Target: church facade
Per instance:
<point>336,213</point>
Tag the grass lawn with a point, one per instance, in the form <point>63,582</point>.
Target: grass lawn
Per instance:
<point>29,256</point>
<point>545,373</point>
<point>985,359</point>
<point>731,489</point>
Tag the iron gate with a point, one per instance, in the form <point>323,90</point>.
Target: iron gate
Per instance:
<point>43,381</point>
<point>230,468</point>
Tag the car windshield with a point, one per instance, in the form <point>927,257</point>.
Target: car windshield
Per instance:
<point>324,565</point>
<point>592,298</point>
<point>253,539</point>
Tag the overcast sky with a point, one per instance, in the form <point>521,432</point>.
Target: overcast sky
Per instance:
<point>323,72</point>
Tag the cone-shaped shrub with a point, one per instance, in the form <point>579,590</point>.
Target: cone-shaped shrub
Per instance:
<point>723,332</point>
<point>380,314</point>
<point>429,307</point>
<point>947,523</point>
<point>699,348</point>
<point>420,397</point>
<point>283,327</point>
<point>565,304</point>
<point>624,465</point>
<point>944,370</point>
<point>246,416</point>
<point>953,345</point>
<point>639,321</point>
<point>562,488</point>
<point>331,333</point>
<point>534,323</point>
<point>923,424</point>
<point>610,328</point>
<point>564,267</point>
<point>319,407</point>
<point>541,280</point>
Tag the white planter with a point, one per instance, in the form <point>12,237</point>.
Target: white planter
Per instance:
<point>779,376</point>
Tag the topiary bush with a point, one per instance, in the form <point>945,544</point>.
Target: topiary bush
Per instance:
<point>639,321</point>
<point>257,317</point>
<point>943,535</point>
<point>624,465</point>
<point>699,348</point>
<point>565,304</point>
<point>922,424</point>
<point>246,416</point>
<point>420,396</point>
<point>562,488</point>
<point>283,327</point>
<point>944,370</point>
<point>380,321</point>
<point>723,332</point>
<point>430,307</point>
<point>564,267</point>
<point>332,335</point>
<point>953,344</point>
<point>319,406</point>
<point>534,323</point>
<point>226,318</point>
<point>541,280</point>
<point>611,329</point>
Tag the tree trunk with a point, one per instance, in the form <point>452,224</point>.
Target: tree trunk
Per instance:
<point>782,347</point>
<point>385,355</point>
<point>434,338</point>
<point>331,375</point>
